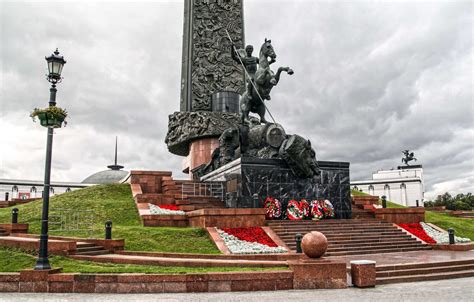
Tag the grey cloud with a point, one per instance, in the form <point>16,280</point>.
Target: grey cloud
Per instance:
<point>371,79</point>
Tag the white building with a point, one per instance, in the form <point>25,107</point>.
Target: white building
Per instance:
<point>404,185</point>
<point>17,188</point>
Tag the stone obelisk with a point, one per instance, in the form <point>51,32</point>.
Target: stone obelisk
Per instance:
<point>211,81</point>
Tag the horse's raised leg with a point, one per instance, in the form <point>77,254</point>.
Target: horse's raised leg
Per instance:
<point>244,109</point>
<point>261,112</point>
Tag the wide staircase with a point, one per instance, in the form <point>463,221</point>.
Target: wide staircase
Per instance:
<point>424,271</point>
<point>350,236</point>
<point>3,232</point>
<point>362,234</point>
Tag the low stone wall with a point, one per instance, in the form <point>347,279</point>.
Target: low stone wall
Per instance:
<point>56,247</point>
<point>164,220</point>
<point>14,228</point>
<point>455,247</point>
<point>53,282</point>
<point>60,244</point>
<point>400,215</point>
<point>226,218</point>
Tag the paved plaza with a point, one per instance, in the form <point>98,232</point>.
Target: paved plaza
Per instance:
<point>445,290</point>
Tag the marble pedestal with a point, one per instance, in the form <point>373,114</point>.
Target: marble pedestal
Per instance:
<point>247,178</point>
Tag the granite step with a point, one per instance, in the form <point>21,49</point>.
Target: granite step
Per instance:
<point>392,267</point>
<point>425,277</point>
<point>425,270</point>
<point>386,242</point>
<point>326,221</point>
<point>349,244</point>
<point>329,229</point>
<point>336,247</point>
<point>378,251</point>
<point>90,249</point>
<point>351,235</point>
<point>343,234</point>
<point>84,244</point>
<point>374,247</point>
<point>93,253</point>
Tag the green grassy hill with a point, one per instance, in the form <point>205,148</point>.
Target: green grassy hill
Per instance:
<point>114,202</point>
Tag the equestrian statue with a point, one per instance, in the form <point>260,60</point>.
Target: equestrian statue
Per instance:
<point>408,157</point>
<point>261,83</point>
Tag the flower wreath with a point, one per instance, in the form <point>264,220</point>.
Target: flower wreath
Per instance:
<point>329,209</point>
<point>305,209</point>
<point>316,213</point>
<point>293,210</point>
<point>272,208</point>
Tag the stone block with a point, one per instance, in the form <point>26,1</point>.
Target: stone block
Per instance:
<point>309,274</point>
<point>197,283</point>
<point>220,286</point>
<point>363,273</point>
<point>9,287</point>
<point>34,287</point>
<point>30,275</point>
<point>84,283</point>
<point>174,287</point>
<point>61,287</point>
<point>9,277</point>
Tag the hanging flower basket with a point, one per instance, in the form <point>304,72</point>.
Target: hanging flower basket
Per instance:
<point>51,116</point>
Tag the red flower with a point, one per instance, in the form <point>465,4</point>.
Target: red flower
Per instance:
<point>417,230</point>
<point>171,207</point>
<point>251,234</point>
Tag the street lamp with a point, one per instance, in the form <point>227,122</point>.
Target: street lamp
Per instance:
<point>55,67</point>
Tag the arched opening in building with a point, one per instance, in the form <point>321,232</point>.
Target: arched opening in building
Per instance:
<point>403,194</point>
<point>386,190</point>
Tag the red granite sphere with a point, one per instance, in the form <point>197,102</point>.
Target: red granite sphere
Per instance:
<point>314,244</point>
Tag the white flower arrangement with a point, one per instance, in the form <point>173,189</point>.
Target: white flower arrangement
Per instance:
<point>441,237</point>
<point>156,210</point>
<point>237,246</point>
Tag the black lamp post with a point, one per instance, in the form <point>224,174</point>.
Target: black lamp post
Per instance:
<point>55,66</point>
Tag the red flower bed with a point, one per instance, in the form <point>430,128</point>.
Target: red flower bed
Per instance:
<point>417,230</point>
<point>171,207</point>
<point>251,234</point>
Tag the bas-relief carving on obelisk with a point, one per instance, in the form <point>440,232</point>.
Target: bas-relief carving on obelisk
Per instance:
<point>211,81</point>
<point>207,66</point>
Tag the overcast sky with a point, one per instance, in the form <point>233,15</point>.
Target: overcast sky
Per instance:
<point>371,78</point>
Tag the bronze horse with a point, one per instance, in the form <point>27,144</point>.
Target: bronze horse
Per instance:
<point>408,157</point>
<point>264,81</point>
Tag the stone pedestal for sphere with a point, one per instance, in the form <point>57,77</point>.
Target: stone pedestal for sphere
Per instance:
<point>314,244</point>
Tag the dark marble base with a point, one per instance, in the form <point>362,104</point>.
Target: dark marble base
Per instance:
<point>272,177</point>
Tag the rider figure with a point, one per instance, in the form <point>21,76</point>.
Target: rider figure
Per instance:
<point>250,64</point>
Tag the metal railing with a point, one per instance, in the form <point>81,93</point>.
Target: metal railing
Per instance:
<point>71,220</point>
<point>204,189</point>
